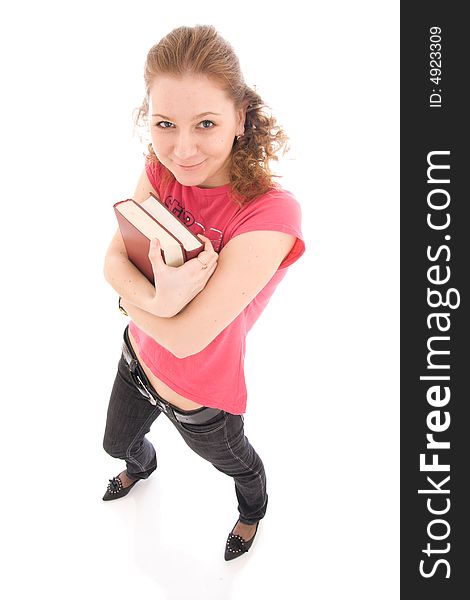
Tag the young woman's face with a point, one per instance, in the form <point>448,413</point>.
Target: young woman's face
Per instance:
<point>184,137</point>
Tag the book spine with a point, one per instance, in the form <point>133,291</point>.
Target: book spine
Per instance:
<point>137,246</point>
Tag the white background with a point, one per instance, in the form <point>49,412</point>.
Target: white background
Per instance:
<point>322,363</point>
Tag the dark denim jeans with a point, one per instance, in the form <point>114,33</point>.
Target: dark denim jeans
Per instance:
<point>221,441</point>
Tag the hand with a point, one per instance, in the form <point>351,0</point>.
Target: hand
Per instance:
<point>175,287</point>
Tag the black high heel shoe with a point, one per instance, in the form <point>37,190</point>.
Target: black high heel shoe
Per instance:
<point>116,489</point>
<point>236,545</point>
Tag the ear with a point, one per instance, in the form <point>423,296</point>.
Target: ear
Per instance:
<point>241,117</point>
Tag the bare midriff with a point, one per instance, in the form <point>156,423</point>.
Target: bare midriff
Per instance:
<point>161,388</point>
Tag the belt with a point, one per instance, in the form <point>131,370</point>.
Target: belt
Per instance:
<point>201,415</point>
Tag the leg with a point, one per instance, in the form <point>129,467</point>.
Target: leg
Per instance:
<point>224,444</point>
<point>129,419</point>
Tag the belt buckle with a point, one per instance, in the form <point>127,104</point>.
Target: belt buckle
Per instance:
<point>150,397</point>
<point>162,406</point>
<point>132,364</point>
<point>144,391</point>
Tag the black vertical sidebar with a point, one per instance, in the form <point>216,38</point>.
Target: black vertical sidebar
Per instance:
<point>434,301</point>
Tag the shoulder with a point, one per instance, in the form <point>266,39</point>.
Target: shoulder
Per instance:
<point>277,197</point>
<point>277,202</point>
<point>277,210</point>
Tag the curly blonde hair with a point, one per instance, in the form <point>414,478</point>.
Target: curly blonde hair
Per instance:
<point>201,50</point>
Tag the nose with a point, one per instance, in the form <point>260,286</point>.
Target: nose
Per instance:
<point>185,147</point>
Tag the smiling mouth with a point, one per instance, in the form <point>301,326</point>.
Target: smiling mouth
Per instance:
<point>190,166</point>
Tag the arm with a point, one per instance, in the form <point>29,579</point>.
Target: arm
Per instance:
<point>162,330</point>
<point>175,286</point>
<point>118,270</point>
<point>245,266</point>
<point>128,281</point>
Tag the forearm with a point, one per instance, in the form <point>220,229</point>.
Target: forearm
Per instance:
<point>166,331</point>
<point>129,282</point>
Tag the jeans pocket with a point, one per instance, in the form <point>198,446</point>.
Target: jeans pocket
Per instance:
<point>205,428</point>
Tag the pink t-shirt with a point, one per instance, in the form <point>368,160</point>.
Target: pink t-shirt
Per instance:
<point>215,376</point>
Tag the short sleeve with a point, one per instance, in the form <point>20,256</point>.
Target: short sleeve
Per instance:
<point>275,211</point>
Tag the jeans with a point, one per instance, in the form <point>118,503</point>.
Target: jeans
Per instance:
<point>221,441</point>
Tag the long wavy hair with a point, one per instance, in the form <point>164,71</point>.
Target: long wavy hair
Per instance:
<point>201,50</point>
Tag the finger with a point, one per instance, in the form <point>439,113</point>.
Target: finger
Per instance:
<point>155,254</point>
<point>212,262</point>
<point>210,268</point>
<point>207,243</point>
<point>207,259</point>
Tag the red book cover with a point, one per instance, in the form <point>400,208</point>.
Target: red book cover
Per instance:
<point>138,244</point>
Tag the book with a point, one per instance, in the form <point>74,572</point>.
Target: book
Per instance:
<point>140,223</point>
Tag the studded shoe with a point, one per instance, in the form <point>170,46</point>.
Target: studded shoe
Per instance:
<point>236,545</point>
<point>116,489</point>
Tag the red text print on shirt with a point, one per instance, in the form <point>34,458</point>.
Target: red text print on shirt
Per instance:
<point>215,235</point>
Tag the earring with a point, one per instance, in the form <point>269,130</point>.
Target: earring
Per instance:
<point>239,136</point>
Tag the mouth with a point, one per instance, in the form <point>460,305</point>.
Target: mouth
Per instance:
<point>191,167</point>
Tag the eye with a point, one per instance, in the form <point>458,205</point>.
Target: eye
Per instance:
<point>208,121</point>
<point>160,122</point>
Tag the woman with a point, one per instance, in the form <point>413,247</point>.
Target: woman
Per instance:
<point>184,348</point>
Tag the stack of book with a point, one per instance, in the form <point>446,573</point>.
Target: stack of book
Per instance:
<point>140,223</point>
